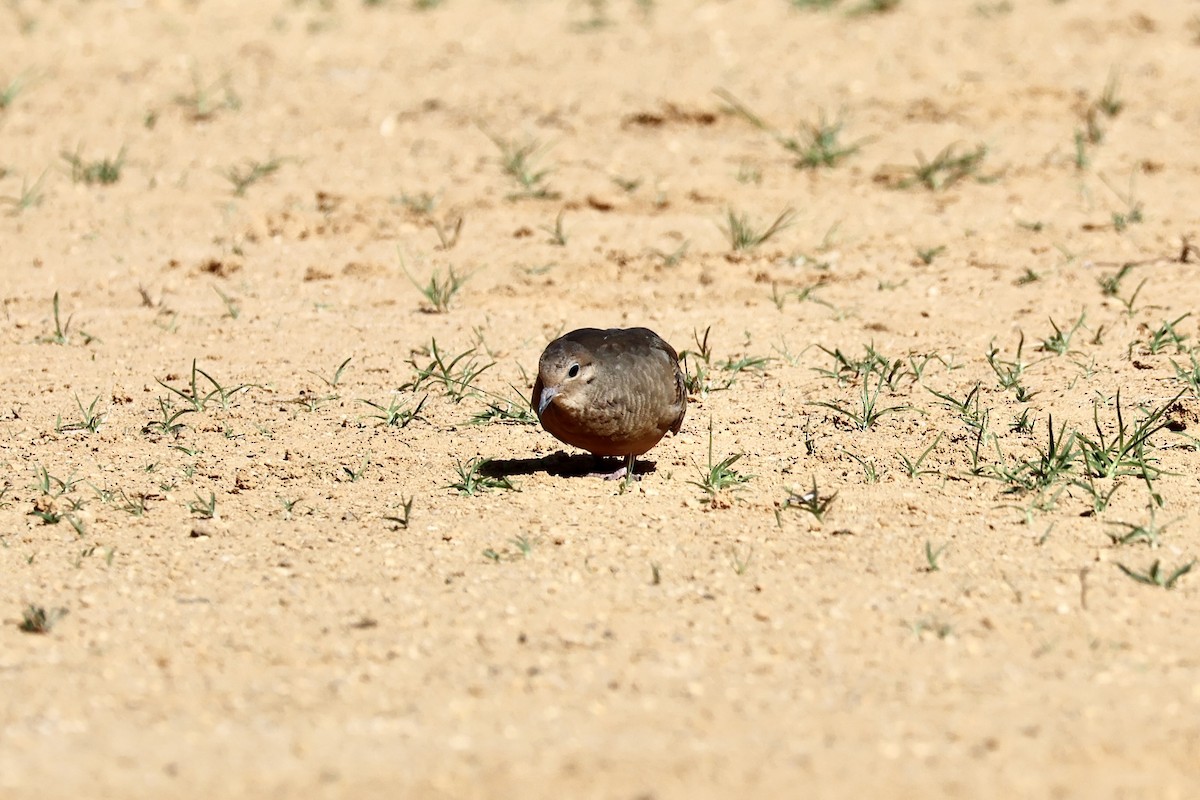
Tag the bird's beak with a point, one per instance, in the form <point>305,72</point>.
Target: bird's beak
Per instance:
<point>547,396</point>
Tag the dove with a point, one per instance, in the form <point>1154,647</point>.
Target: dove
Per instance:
<point>613,392</point>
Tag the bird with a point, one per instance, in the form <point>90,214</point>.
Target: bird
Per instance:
<point>612,392</point>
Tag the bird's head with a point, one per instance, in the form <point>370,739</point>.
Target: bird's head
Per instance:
<point>564,371</point>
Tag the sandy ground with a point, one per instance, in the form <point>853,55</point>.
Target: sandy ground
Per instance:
<point>252,612</point>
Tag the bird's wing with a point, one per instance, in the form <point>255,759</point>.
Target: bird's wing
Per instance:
<point>680,398</point>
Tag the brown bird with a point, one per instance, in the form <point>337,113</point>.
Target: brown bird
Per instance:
<point>612,392</point>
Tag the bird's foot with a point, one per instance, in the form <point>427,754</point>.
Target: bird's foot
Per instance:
<point>621,474</point>
<point>624,472</point>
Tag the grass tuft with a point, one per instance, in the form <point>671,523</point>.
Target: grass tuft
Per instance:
<point>810,502</point>
<point>945,169</point>
<point>473,480</point>
<point>38,619</point>
<point>744,236</point>
<point>716,476</point>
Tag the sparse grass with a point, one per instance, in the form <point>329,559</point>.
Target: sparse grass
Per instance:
<point>90,419</point>
<point>919,362</point>
<point>817,146</point>
<point>472,480</point>
<point>504,409</point>
<point>1110,285</point>
<point>242,177</point>
<point>933,556</point>
<point>11,90</point>
<point>848,368</point>
<point>1081,159</point>
<point>401,519</point>
<point>1133,213</point>
<point>169,424</point>
<point>697,364</point>
<point>439,291</point>
<point>421,203</point>
<point>205,100</point>
<point>627,185</point>
<point>456,374</point>
<point>741,559</point>
<point>868,411</point>
<point>748,174</point>
<point>1109,103</point>
<point>716,476</point>
<point>968,408</point>
<point>805,294</point>
<point>355,475</point>
<point>395,414</point>
<point>199,400</point>
<point>821,145</point>
<point>449,233</point>
<point>1165,336</point>
<point>597,19</point>
<point>104,171</point>
<point>1093,131</point>
<point>48,507</point>
<point>1130,301</point>
<point>31,195</point>
<point>1027,277</point>
<point>994,9</point>
<point>912,466</point>
<point>52,486</point>
<point>747,363</point>
<point>62,330</point>
<point>744,236</point>
<point>1052,465</point>
<point>1130,216</point>
<point>673,258</point>
<point>1189,373</point>
<point>946,169</point>
<point>928,254</point>
<point>1010,372</point>
<point>333,380</point>
<point>558,236</point>
<point>1148,532</point>
<point>1059,342</point>
<point>134,505</point>
<point>871,470</point>
<point>874,7</point>
<point>232,309</point>
<point>1156,575</point>
<point>202,508</point>
<point>521,547</point>
<point>811,502</point>
<point>1100,497</point>
<point>38,619</point>
<point>519,162</point>
<point>1124,453</point>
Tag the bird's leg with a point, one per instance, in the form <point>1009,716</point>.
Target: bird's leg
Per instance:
<point>625,471</point>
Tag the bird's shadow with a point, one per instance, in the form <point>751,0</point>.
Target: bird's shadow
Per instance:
<point>562,465</point>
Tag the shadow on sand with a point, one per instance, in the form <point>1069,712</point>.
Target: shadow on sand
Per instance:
<point>561,465</point>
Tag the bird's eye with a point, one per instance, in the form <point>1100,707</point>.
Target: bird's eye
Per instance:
<point>573,371</point>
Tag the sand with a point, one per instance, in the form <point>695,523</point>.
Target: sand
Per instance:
<point>275,581</point>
